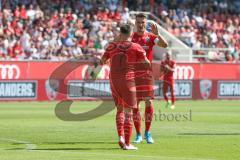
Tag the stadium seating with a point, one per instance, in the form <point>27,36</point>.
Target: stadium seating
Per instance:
<point>212,24</point>
<point>61,30</point>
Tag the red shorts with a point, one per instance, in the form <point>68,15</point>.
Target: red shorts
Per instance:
<point>145,85</point>
<point>124,92</point>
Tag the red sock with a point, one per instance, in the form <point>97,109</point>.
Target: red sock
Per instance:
<point>165,91</point>
<point>128,128</point>
<point>148,117</point>
<point>137,120</point>
<point>120,123</point>
<point>172,94</point>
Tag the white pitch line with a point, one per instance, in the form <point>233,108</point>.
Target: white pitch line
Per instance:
<point>29,145</point>
<point>125,155</point>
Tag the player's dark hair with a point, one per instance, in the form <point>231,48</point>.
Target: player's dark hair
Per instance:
<point>141,15</point>
<point>125,29</point>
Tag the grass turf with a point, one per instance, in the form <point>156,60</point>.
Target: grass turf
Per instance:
<point>30,130</point>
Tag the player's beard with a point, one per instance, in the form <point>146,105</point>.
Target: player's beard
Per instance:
<point>141,31</point>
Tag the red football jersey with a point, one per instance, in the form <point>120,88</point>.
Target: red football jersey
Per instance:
<point>123,57</point>
<point>146,41</point>
<point>168,75</point>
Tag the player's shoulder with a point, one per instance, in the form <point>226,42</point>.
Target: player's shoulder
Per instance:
<point>134,37</point>
<point>136,46</point>
<point>111,46</point>
<point>134,34</point>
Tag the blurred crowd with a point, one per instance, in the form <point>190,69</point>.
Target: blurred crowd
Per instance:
<point>64,29</point>
<point>204,24</point>
<point>55,30</point>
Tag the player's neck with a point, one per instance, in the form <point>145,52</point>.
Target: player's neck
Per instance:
<point>140,33</point>
<point>123,38</point>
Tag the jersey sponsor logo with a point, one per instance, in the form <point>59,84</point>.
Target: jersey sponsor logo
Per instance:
<point>147,39</point>
<point>228,89</point>
<point>18,90</point>
<point>184,72</point>
<point>9,71</point>
<point>51,90</point>
<point>205,88</point>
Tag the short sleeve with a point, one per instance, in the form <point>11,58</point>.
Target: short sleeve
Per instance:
<point>106,55</point>
<point>109,49</point>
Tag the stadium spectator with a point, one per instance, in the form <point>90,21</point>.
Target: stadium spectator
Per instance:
<point>92,24</point>
<point>52,30</point>
<point>208,24</point>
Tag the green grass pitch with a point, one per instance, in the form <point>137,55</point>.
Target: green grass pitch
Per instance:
<point>31,131</point>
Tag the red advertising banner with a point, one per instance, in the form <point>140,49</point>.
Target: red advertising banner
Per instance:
<point>30,81</point>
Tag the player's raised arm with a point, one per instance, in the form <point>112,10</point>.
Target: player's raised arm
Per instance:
<point>161,42</point>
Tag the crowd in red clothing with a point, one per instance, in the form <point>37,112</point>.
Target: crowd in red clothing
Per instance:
<point>205,24</point>
<point>200,24</point>
<point>29,32</point>
<point>61,29</point>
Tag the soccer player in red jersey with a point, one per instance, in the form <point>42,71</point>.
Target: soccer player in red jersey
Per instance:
<point>147,40</point>
<point>167,70</point>
<point>123,56</point>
